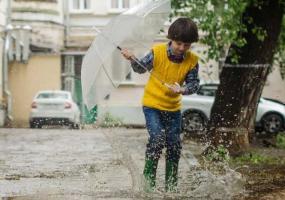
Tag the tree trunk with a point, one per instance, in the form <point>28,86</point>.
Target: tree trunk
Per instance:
<point>234,110</point>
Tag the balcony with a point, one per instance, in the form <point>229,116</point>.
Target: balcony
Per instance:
<point>37,10</point>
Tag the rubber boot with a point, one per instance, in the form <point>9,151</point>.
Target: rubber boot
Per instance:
<point>149,173</point>
<point>171,176</point>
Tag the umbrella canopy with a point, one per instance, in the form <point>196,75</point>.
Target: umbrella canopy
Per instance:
<point>103,67</point>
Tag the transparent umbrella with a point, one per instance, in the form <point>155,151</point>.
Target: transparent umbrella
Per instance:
<point>103,67</point>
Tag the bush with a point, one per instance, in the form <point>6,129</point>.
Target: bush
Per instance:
<point>111,121</point>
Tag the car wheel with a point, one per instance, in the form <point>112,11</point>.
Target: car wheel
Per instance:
<point>73,126</point>
<point>193,122</point>
<point>35,124</point>
<point>76,126</point>
<point>272,123</point>
<point>32,125</point>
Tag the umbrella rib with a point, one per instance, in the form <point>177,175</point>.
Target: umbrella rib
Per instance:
<point>108,76</point>
<point>105,70</point>
<point>106,37</point>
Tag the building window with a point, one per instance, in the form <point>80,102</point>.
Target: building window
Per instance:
<point>71,75</point>
<point>81,4</point>
<point>68,74</point>
<point>120,4</point>
<point>69,85</point>
<point>69,66</point>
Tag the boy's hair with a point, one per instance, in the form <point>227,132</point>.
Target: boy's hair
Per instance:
<point>184,30</point>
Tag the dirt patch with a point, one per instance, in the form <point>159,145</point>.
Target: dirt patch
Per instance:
<point>263,182</point>
<point>265,175</point>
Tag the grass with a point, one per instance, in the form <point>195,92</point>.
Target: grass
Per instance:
<point>280,140</point>
<point>254,158</point>
<point>264,155</point>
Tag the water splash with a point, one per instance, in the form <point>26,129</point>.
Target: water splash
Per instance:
<point>200,180</point>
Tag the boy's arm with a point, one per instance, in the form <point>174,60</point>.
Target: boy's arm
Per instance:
<point>146,61</point>
<point>192,81</point>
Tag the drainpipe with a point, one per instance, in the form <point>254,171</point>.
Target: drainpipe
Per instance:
<point>7,92</point>
<point>66,21</point>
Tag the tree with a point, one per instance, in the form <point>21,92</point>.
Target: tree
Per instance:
<point>251,29</point>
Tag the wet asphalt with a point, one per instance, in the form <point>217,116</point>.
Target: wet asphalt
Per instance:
<point>101,163</point>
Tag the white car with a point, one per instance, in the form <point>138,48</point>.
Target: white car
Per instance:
<point>54,107</point>
<point>196,111</point>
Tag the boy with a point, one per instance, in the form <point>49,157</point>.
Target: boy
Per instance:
<point>172,63</point>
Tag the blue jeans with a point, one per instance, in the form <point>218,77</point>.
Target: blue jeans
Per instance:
<point>164,128</point>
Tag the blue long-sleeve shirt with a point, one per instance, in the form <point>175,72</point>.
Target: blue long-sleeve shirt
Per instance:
<point>192,80</point>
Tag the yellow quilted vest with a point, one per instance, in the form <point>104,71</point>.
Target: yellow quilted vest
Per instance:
<point>157,95</point>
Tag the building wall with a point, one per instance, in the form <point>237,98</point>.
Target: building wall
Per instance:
<point>81,22</point>
<point>42,72</point>
<point>45,11</point>
<point>2,13</point>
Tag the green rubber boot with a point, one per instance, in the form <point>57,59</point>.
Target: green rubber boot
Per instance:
<point>171,176</point>
<point>149,173</point>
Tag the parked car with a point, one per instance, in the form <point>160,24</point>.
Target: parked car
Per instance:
<point>196,111</point>
<point>54,107</point>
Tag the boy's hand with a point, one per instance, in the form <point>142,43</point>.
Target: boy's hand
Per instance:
<point>176,88</point>
<point>127,54</point>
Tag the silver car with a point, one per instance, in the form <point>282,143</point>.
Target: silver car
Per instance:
<point>196,111</point>
<point>54,107</point>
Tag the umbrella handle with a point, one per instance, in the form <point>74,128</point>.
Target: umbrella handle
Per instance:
<point>167,85</point>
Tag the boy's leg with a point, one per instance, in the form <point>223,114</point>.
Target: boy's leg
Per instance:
<point>156,142</point>
<point>173,144</point>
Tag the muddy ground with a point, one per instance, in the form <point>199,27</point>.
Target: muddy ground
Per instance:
<point>265,180</point>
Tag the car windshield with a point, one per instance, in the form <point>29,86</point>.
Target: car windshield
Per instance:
<point>52,96</point>
<point>207,90</point>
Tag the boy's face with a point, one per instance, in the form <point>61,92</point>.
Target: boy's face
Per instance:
<point>179,47</point>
